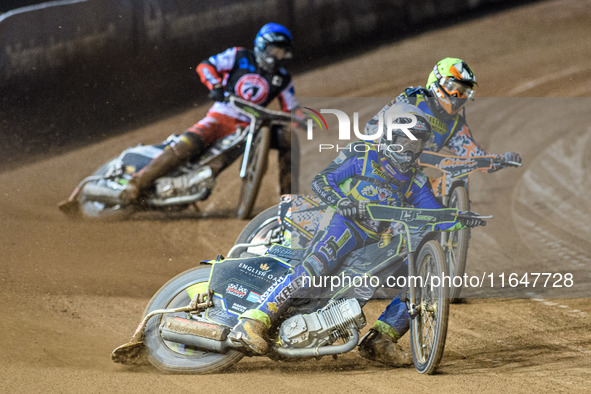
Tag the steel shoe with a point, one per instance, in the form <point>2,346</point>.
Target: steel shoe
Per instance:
<point>379,347</point>
<point>252,333</point>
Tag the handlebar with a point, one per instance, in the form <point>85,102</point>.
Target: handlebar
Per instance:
<point>473,215</point>
<point>508,163</point>
<point>256,112</point>
<point>467,216</point>
<point>416,217</point>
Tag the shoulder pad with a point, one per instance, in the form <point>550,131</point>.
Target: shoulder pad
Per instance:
<point>416,91</point>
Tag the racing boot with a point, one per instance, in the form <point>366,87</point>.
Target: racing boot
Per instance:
<point>382,348</point>
<point>172,157</point>
<point>252,331</point>
<point>254,323</point>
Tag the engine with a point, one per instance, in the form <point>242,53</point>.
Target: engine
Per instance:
<point>188,184</point>
<point>324,326</point>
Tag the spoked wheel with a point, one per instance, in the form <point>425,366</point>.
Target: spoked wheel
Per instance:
<point>255,169</point>
<point>428,328</point>
<point>456,243</point>
<point>257,231</point>
<point>92,209</point>
<point>172,357</point>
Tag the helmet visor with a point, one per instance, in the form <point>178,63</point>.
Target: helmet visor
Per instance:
<point>456,88</point>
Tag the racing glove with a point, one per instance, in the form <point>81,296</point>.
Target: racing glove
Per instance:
<point>350,208</point>
<point>298,119</point>
<point>502,160</point>
<point>511,156</point>
<point>217,93</point>
<point>471,222</point>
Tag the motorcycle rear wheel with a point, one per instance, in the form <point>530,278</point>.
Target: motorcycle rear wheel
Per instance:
<point>456,245</point>
<point>96,210</point>
<point>172,357</point>
<point>255,170</point>
<point>428,329</point>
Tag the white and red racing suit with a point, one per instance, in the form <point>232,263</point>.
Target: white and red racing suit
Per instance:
<point>238,72</point>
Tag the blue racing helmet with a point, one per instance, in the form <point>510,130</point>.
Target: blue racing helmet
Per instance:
<point>273,46</point>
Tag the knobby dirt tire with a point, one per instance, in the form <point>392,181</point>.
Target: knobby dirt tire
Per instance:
<point>428,329</point>
<point>456,249</point>
<point>94,210</point>
<point>170,357</point>
<point>255,170</point>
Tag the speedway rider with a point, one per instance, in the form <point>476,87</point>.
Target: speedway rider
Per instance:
<point>383,172</point>
<point>257,76</point>
<point>449,86</point>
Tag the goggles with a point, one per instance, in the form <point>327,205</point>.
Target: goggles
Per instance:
<point>456,88</point>
<point>409,145</point>
<point>278,53</point>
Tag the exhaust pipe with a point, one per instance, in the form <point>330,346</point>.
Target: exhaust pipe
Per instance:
<point>214,338</point>
<point>201,335</point>
<point>103,194</point>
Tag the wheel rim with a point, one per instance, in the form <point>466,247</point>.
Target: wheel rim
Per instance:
<point>427,318</point>
<point>181,299</point>
<point>452,252</point>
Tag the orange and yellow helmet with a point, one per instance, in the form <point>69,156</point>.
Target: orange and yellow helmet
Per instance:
<point>452,81</point>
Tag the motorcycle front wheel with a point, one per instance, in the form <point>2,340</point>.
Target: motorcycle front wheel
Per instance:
<point>255,170</point>
<point>257,231</point>
<point>172,357</point>
<point>428,328</point>
<point>456,244</point>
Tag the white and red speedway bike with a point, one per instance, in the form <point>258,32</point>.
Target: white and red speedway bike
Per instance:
<point>97,196</point>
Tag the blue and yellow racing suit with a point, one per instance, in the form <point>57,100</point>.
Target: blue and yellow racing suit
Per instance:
<point>360,173</point>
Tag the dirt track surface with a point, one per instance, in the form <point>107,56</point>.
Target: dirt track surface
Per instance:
<point>71,291</point>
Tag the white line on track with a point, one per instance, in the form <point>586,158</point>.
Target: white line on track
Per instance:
<point>539,81</point>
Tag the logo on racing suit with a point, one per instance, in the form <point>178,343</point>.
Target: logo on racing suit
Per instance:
<point>260,272</point>
<point>369,191</point>
<point>253,87</point>
<point>236,290</point>
<point>290,289</point>
<point>437,126</point>
<point>253,297</point>
<point>376,170</point>
<point>384,193</point>
<point>452,162</point>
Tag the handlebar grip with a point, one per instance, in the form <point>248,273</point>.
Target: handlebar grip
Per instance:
<point>511,163</point>
<point>474,215</point>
